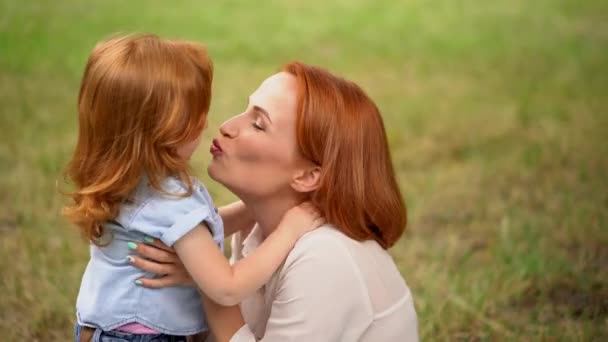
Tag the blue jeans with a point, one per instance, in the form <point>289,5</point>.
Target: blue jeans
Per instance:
<point>117,336</point>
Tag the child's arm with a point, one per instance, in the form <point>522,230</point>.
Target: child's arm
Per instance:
<point>229,285</point>
<point>236,217</point>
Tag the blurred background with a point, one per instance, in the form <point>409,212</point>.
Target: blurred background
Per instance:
<point>496,113</point>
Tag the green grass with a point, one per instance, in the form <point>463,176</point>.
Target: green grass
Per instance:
<point>496,113</point>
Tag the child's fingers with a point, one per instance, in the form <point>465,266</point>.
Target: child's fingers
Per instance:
<point>156,254</point>
<point>315,217</point>
<point>310,209</point>
<point>306,205</point>
<point>318,222</point>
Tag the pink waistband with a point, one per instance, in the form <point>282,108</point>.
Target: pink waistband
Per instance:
<point>136,328</point>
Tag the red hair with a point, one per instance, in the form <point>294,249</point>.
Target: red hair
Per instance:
<point>140,99</point>
<point>340,128</point>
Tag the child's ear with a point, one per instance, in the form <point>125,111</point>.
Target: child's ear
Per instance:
<point>307,179</point>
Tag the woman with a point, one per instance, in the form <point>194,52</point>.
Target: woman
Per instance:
<point>308,135</point>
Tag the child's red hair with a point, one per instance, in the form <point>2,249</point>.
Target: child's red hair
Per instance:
<point>141,97</point>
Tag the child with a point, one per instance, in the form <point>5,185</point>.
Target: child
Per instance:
<point>143,105</point>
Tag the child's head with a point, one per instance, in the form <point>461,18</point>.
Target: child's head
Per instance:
<point>142,106</point>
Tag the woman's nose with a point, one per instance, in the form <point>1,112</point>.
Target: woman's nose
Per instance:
<point>229,128</point>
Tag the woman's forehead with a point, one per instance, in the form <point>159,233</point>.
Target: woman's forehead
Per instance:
<point>277,94</point>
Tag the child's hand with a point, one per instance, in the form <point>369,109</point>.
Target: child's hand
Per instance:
<point>302,219</point>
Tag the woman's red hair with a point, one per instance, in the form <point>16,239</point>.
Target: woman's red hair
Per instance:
<point>340,128</point>
<point>140,99</point>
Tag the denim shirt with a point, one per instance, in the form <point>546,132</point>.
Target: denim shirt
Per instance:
<point>109,297</point>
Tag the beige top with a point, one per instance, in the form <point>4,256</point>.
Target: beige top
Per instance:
<point>330,288</point>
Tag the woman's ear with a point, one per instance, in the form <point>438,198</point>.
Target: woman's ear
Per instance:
<point>307,179</point>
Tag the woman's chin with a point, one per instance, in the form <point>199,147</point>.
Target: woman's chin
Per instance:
<point>218,174</point>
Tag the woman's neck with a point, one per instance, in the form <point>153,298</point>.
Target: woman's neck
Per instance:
<point>269,212</point>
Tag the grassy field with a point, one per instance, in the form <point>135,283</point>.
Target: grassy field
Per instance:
<point>497,113</point>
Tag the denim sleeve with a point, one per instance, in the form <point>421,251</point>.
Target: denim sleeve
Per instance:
<point>169,218</point>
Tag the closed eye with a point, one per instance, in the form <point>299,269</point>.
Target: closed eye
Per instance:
<point>262,111</point>
<point>256,126</point>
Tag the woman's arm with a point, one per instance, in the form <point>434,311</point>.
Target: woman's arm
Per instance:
<point>236,217</point>
<point>223,321</point>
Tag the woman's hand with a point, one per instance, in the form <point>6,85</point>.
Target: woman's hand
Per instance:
<point>155,257</point>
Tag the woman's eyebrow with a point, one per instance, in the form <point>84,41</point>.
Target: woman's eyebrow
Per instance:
<point>263,111</point>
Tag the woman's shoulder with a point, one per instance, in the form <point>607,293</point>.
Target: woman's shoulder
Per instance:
<point>326,235</point>
<point>323,253</point>
<point>336,254</point>
<point>321,245</point>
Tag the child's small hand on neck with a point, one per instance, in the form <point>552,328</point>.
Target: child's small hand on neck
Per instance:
<point>301,219</point>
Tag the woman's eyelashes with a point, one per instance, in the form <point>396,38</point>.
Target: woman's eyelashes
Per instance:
<point>258,122</point>
<point>257,126</point>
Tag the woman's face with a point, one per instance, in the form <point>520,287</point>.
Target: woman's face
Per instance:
<point>256,154</point>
